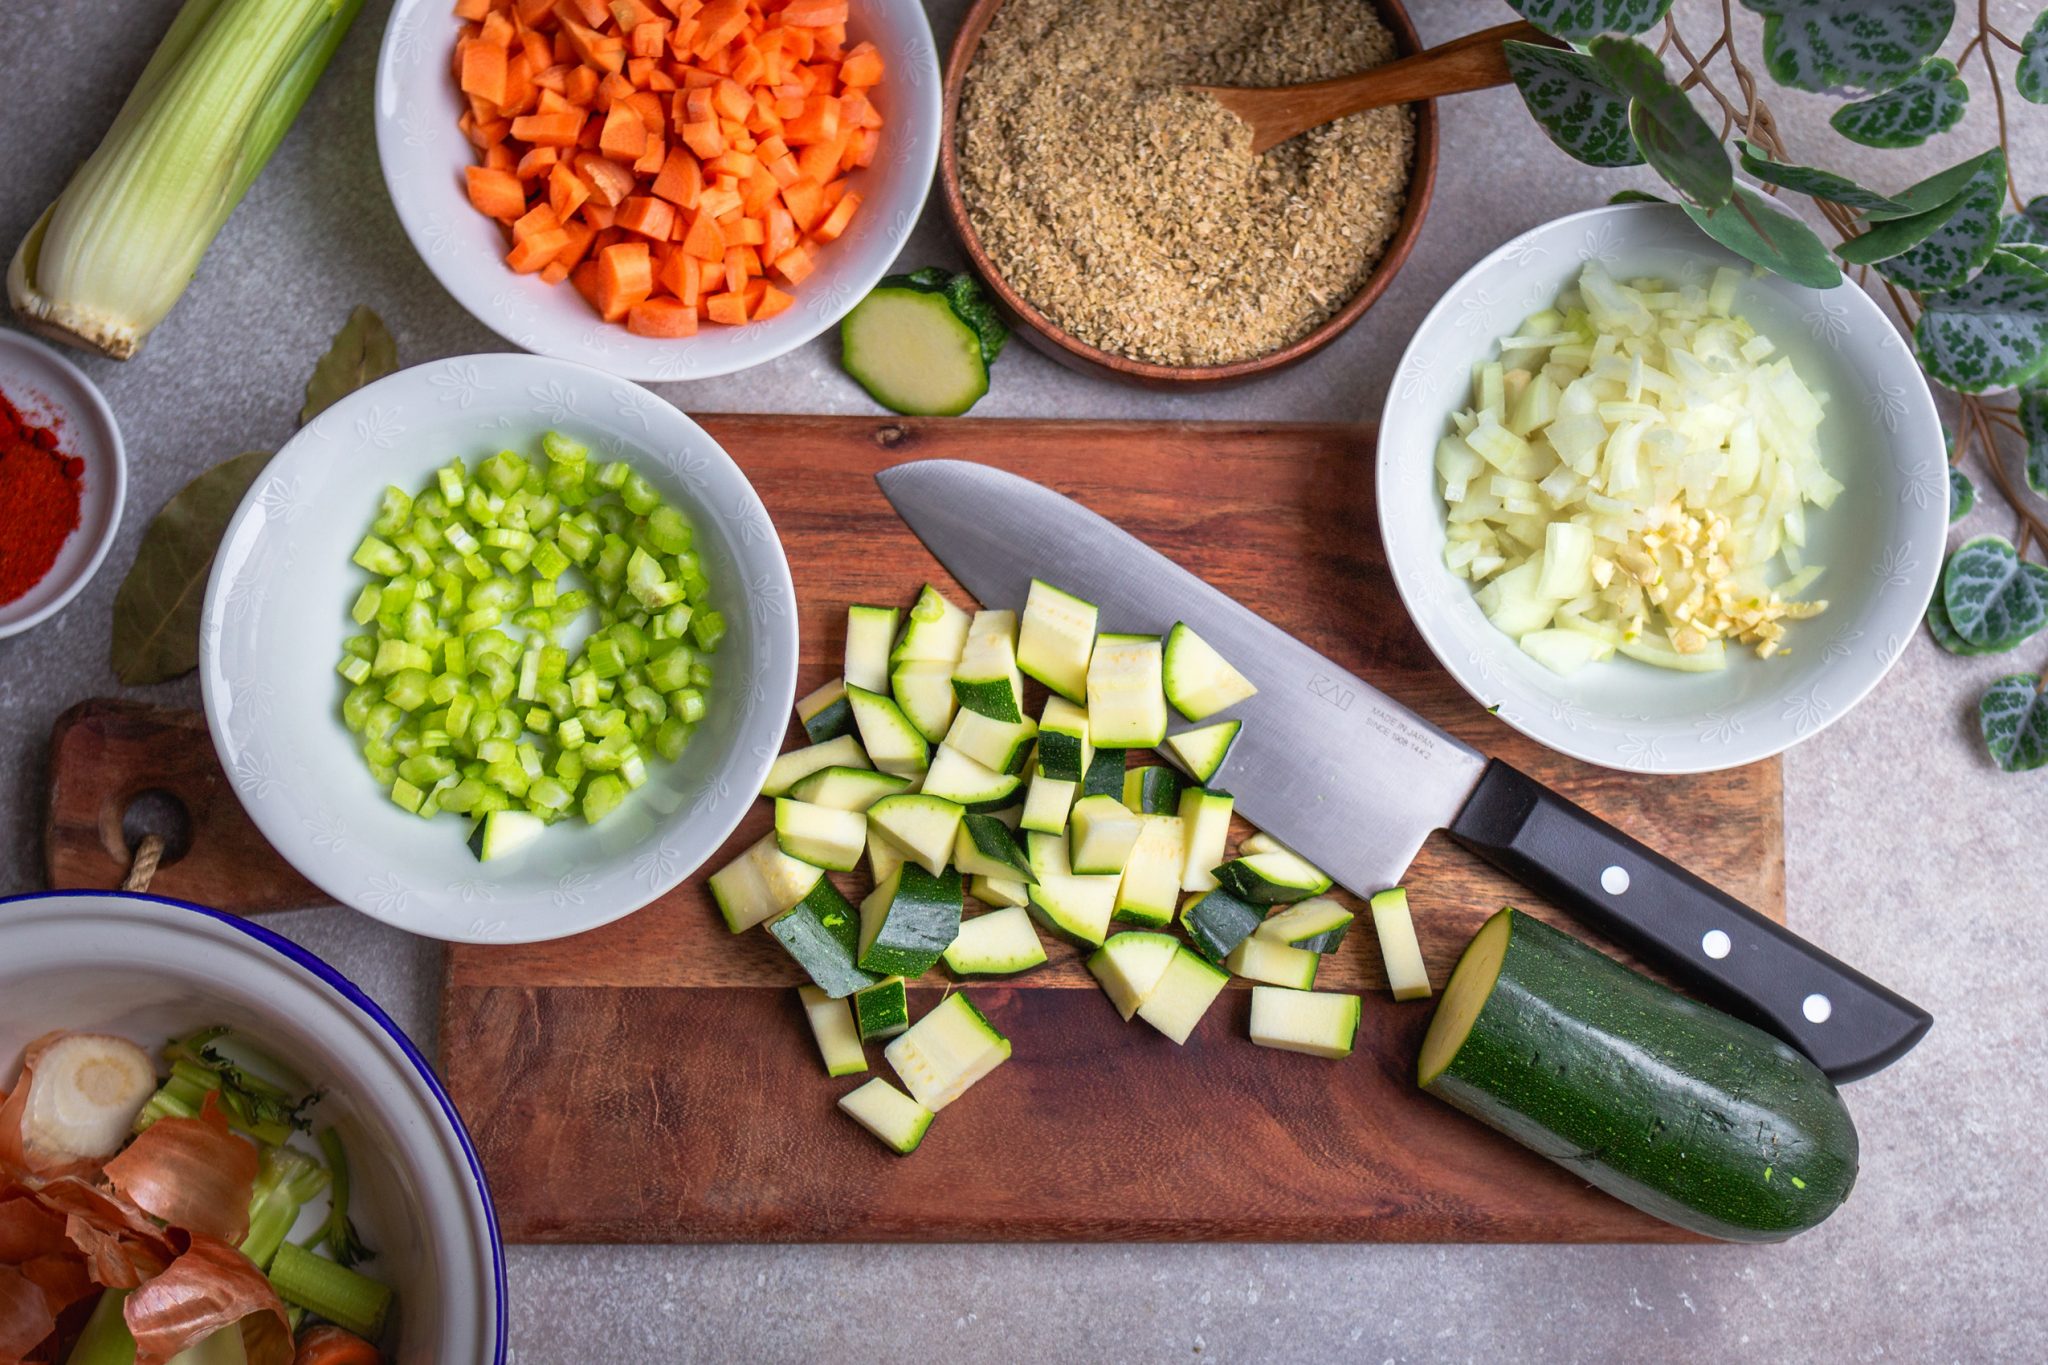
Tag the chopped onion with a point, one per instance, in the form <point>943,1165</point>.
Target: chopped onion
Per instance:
<point>84,1090</point>
<point>1633,476</point>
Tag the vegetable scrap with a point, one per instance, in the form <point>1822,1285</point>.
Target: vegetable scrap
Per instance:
<point>40,485</point>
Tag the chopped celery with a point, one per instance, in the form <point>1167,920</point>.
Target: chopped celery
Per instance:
<point>346,1298</point>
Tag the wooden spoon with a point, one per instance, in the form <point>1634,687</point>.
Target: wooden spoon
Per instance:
<point>1473,62</point>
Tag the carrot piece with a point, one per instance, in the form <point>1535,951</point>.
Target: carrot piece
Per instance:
<point>719,200</point>
<point>678,275</point>
<point>819,122</point>
<point>608,180</point>
<point>548,130</point>
<point>538,162</point>
<point>836,221</point>
<point>529,13</point>
<point>730,309</point>
<point>332,1346</point>
<point>624,136</point>
<point>554,272</point>
<point>648,216</point>
<point>805,201</point>
<point>580,85</point>
<point>605,51</point>
<point>538,219</point>
<point>597,215</point>
<point>582,237</point>
<point>500,158</point>
<point>752,232</point>
<point>782,234</point>
<point>748,67</point>
<point>483,70</point>
<point>860,150</point>
<point>648,38</point>
<point>704,239</point>
<point>566,191</point>
<point>647,104</point>
<point>552,103</point>
<point>862,66</point>
<point>625,276</point>
<point>735,269</point>
<point>757,192</point>
<point>820,160</point>
<point>584,278</point>
<point>813,13</point>
<point>592,12</point>
<point>532,254</point>
<point>520,92</point>
<point>681,179</point>
<point>773,301</point>
<point>731,99</point>
<point>718,24</point>
<point>496,29</point>
<point>495,194</point>
<point>704,139</point>
<point>489,134</point>
<point>662,318</point>
<point>630,14</point>
<point>794,264</point>
<point>650,161</point>
<point>646,73</point>
<point>472,10</point>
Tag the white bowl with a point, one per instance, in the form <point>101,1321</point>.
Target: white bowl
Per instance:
<point>1881,541</point>
<point>423,155</point>
<point>44,385</point>
<point>277,611</point>
<point>151,970</point>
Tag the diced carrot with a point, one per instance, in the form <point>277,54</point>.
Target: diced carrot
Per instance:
<point>625,276</point>
<point>520,91</point>
<point>747,68</point>
<point>630,14</point>
<point>678,275</point>
<point>718,23</point>
<point>773,301</point>
<point>531,254</point>
<point>648,216</point>
<point>500,158</point>
<point>731,99</point>
<point>551,102</point>
<point>608,180</point>
<point>681,179</point>
<point>647,105</point>
<point>819,122</point>
<point>472,10</point>
<point>584,278</point>
<point>488,135</point>
<point>735,269</point>
<point>530,13</point>
<point>782,234</point>
<point>651,160</point>
<point>646,73</point>
<point>332,1346</point>
<point>538,162</point>
<point>548,130</point>
<point>649,38</point>
<point>813,13</point>
<point>538,219</point>
<point>496,29</point>
<point>704,239</point>
<point>820,160</point>
<point>757,192</point>
<point>794,264</point>
<point>752,232</point>
<point>495,193</point>
<point>605,51</point>
<point>483,70</point>
<point>730,309</point>
<point>804,201</point>
<point>566,191</point>
<point>597,215</point>
<point>554,272</point>
<point>860,150</point>
<point>582,236</point>
<point>662,318</point>
<point>862,66</point>
<point>719,200</point>
<point>836,221</point>
<point>591,12</point>
<point>624,137</point>
<point>580,85</point>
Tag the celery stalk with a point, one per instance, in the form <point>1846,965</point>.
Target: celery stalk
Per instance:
<point>106,261</point>
<point>105,1339</point>
<point>342,1296</point>
<point>285,1183</point>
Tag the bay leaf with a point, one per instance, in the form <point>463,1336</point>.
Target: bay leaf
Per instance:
<point>156,610</point>
<point>362,353</point>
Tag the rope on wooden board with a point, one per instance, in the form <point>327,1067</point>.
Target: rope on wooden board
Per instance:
<point>147,855</point>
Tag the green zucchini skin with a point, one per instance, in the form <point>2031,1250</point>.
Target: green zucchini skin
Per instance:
<point>1676,1108</point>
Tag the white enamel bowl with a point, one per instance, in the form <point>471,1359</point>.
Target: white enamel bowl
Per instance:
<point>150,970</point>
<point>277,611</point>
<point>1881,542</point>
<point>423,154</point>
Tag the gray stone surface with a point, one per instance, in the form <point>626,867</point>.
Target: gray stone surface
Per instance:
<point>1908,854</point>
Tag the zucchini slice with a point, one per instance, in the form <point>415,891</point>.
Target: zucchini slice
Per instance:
<point>1153,789</point>
<point>798,764</point>
<point>820,835</point>
<point>912,352</point>
<point>1202,751</point>
<point>1129,966</point>
<point>986,678</point>
<point>1064,749</point>
<point>1105,775</point>
<point>1000,943</point>
<point>883,855</point>
<point>921,825</point>
<point>893,744</point>
<point>909,920</point>
<point>934,632</point>
<point>1261,959</point>
<point>1205,830</point>
<point>822,932</point>
<point>998,745</point>
<point>1102,831</point>
<point>899,1121</point>
<point>957,778</point>
<point>824,713</point>
<point>1075,907</point>
<point>760,884</point>
<point>1218,921</point>
<point>1047,804</point>
<point>1277,878</point>
<point>1150,887</point>
<point>1001,892</point>
<point>1056,638</point>
<point>847,788</point>
<point>1319,1023</point>
<point>1317,925</point>
<point>947,1051</point>
<point>881,1010</point>
<point>870,631</point>
<point>1185,991</point>
<point>502,833</point>
<point>985,847</point>
<point>923,688</point>
<point>1676,1108</point>
<point>831,1021</point>
<point>1125,704</point>
<point>1406,972</point>
<point>1199,681</point>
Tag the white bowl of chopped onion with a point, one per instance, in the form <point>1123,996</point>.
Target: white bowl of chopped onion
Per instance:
<point>1655,509</point>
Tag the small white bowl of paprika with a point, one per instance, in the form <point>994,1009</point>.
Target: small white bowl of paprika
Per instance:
<point>63,480</point>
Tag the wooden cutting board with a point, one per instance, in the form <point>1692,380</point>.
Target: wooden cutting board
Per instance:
<point>654,1080</point>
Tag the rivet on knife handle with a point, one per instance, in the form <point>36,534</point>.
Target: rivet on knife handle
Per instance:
<point>1702,937</point>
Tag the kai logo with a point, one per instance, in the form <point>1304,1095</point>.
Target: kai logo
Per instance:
<point>1332,691</point>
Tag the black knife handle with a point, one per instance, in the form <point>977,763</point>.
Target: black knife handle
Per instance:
<point>1702,937</point>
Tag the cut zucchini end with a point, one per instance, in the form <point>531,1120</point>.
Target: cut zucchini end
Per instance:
<point>913,353</point>
<point>1471,986</point>
<point>899,1121</point>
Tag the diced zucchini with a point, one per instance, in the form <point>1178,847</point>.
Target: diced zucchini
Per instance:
<point>1047,803</point>
<point>1102,831</point>
<point>848,788</point>
<point>1105,775</point>
<point>1277,878</point>
<point>502,833</point>
<point>1075,907</point>
<point>1185,991</point>
<point>760,884</point>
<point>883,855</point>
<point>986,678</point>
<point>893,744</point>
<point>1199,681</point>
<point>899,1121</point>
<point>1406,971</point>
<point>1000,943</point>
<point>869,634</point>
<point>1056,638</point>
<point>1320,1023</point>
<point>908,920</point>
<point>831,1021</point>
<point>1001,892</point>
<point>1317,925</point>
<point>1202,751</point>
<point>956,777</point>
<point>881,1010</point>
<point>1261,959</point>
<point>822,932</point>
<point>935,631</point>
<point>921,825</point>
<point>924,689</point>
<point>798,764</point>
<point>1064,749</point>
<point>824,713</point>
<point>1205,830</point>
<point>985,847</point>
<point>1150,887</point>
<point>1126,706</point>
<point>1129,965</point>
<point>1258,841</point>
<point>947,1051</point>
<point>820,835</point>
<point>998,745</point>
<point>912,352</point>
<point>1152,790</point>
<point>1217,922</point>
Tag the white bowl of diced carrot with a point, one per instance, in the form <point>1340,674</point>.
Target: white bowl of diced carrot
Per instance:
<point>664,189</point>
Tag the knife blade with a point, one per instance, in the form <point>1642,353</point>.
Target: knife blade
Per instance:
<point>1355,781</point>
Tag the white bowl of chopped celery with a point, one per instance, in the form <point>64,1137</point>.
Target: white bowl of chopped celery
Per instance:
<point>527,692</point>
<point>118,973</point>
<point>1691,514</point>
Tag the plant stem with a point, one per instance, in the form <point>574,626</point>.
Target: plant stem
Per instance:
<point>1998,98</point>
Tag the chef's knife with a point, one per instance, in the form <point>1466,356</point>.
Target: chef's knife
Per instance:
<point>1355,781</point>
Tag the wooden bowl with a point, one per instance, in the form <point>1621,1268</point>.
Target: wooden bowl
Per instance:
<point>1048,337</point>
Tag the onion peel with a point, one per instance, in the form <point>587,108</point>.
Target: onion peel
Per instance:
<point>16,1153</point>
<point>29,1229</point>
<point>209,1287</point>
<point>25,1317</point>
<point>195,1174</point>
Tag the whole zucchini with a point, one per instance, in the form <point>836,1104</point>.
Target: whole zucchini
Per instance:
<point>1676,1108</point>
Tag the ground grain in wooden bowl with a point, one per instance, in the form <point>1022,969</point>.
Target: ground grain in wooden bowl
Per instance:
<point>1133,213</point>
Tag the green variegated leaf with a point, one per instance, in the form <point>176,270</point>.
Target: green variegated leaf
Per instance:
<point>2014,718</point>
<point>1752,227</point>
<point>1990,332</point>
<point>1936,190</point>
<point>1962,495</point>
<point>1891,235</point>
<point>1673,138</point>
<point>2034,426</point>
<point>1636,197</point>
<point>1992,597</point>
<point>1960,246</point>
<point>1850,45</point>
<point>1944,633</point>
<point>1578,20</point>
<point>1929,101</point>
<point>1812,180</point>
<point>2031,77</point>
<point>2028,227</point>
<point>1574,103</point>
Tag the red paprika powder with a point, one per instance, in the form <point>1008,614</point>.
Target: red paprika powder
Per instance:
<point>39,488</point>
